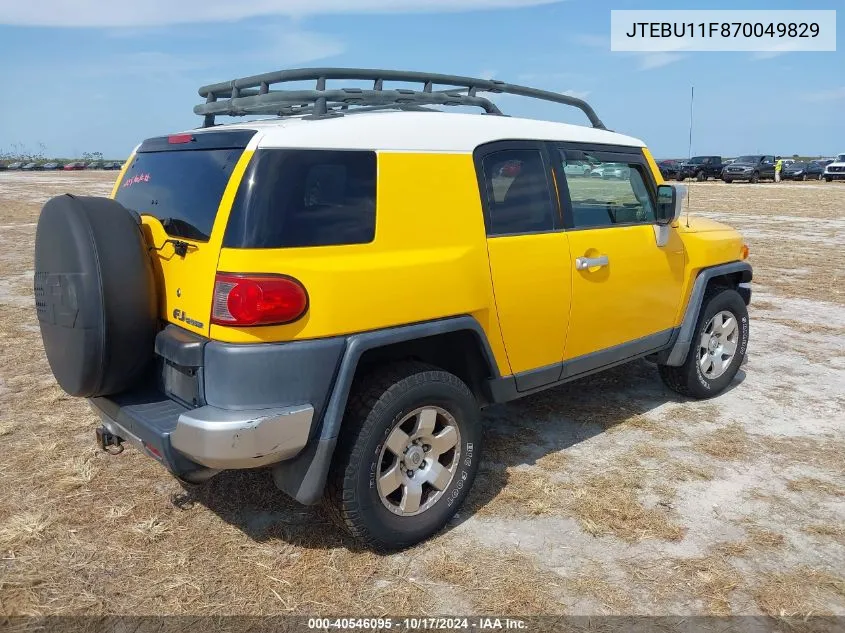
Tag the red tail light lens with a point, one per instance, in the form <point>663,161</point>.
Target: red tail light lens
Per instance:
<point>244,300</point>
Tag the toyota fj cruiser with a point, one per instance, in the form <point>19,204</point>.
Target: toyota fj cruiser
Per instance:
<point>335,292</point>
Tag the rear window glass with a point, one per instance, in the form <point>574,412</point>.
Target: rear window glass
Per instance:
<point>291,198</point>
<point>182,189</point>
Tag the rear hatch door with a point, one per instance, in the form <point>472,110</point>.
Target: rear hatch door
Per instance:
<point>183,186</point>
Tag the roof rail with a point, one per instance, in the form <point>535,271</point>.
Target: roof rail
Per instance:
<point>253,95</point>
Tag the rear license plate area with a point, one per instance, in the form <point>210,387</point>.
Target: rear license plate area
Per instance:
<point>180,383</point>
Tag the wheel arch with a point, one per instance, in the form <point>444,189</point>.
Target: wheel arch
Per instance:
<point>457,344</point>
<point>730,275</point>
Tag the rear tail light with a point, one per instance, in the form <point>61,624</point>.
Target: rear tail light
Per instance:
<point>244,300</point>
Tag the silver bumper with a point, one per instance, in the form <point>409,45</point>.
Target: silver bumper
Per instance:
<point>217,438</point>
<point>223,439</point>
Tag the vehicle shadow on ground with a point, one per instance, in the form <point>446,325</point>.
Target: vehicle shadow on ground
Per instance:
<point>520,432</point>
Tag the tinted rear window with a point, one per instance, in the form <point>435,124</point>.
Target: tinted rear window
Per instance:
<point>291,198</point>
<point>181,188</point>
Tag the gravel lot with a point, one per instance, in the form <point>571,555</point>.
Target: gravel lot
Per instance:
<point>608,496</point>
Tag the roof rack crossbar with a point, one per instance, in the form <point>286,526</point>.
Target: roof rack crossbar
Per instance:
<point>254,95</point>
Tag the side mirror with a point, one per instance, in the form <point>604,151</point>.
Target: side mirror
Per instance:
<point>670,200</point>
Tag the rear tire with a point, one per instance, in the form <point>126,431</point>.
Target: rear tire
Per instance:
<point>389,486</point>
<point>722,327</point>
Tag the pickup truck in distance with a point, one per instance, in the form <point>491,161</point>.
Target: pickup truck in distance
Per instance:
<point>751,168</point>
<point>701,168</point>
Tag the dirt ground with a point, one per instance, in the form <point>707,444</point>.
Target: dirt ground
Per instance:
<point>608,496</point>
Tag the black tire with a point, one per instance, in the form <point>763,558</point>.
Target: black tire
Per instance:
<point>378,402</point>
<point>727,180</point>
<point>700,177</point>
<point>679,178</point>
<point>803,177</point>
<point>755,178</point>
<point>688,379</point>
<point>94,294</point>
<point>828,179</point>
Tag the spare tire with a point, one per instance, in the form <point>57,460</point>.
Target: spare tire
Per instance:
<point>95,294</point>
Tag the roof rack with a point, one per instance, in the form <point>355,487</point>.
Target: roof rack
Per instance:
<point>253,95</point>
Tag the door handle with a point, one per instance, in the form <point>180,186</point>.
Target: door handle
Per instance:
<point>583,263</point>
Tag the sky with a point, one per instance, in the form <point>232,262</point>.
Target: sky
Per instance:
<point>100,75</point>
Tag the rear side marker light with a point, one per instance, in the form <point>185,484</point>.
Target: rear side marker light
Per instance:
<point>743,252</point>
<point>176,139</point>
<point>249,300</point>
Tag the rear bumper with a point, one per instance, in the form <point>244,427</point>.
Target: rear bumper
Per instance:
<point>189,440</point>
<point>218,406</point>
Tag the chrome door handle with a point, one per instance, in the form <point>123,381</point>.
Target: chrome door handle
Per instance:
<point>583,263</point>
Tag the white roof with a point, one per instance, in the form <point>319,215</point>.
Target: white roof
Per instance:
<point>417,131</point>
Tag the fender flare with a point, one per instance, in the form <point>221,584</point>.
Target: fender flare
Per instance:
<point>304,477</point>
<point>676,354</point>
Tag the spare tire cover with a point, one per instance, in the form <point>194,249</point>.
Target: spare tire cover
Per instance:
<point>94,294</point>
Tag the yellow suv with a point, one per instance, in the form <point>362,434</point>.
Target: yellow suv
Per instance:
<point>336,291</point>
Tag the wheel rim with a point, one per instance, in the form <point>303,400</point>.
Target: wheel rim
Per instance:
<point>418,461</point>
<point>718,343</point>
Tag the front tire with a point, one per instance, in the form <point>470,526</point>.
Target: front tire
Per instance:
<point>700,177</point>
<point>407,456</point>
<point>755,178</point>
<point>718,347</point>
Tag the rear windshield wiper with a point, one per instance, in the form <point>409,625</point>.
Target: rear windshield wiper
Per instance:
<point>182,228</point>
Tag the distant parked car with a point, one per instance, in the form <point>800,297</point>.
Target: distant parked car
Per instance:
<point>577,168</point>
<point>609,171</point>
<point>668,168</point>
<point>753,168</point>
<point>110,165</point>
<point>94,165</point>
<point>836,169</point>
<point>74,166</point>
<point>50,166</point>
<point>824,162</point>
<point>3,167</point>
<point>29,167</point>
<point>15,166</point>
<point>701,168</point>
<point>802,171</point>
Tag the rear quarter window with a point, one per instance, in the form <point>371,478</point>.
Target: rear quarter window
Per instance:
<point>297,198</point>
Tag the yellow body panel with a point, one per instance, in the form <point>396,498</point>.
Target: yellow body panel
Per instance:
<point>431,259</point>
<point>706,243</point>
<point>428,260</point>
<point>531,279</point>
<point>635,295</point>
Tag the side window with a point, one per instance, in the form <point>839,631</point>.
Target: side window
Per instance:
<point>610,194</point>
<point>518,197</point>
<point>291,198</point>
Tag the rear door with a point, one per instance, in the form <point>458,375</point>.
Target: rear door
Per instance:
<point>528,255</point>
<point>182,185</point>
<point>626,289</point>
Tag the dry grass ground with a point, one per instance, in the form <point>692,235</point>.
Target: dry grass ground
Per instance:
<point>609,496</point>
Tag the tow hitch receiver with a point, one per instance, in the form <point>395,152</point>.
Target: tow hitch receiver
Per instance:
<point>108,441</point>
